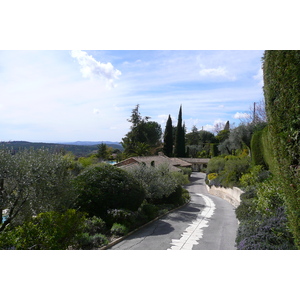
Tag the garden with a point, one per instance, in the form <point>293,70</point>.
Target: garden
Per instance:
<point>53,202</point>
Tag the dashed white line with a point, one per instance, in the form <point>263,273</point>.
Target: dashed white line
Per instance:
<point>194,232</point>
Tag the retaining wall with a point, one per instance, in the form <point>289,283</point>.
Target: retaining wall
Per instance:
<point>230,195</point>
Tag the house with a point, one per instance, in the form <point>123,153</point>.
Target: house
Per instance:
<point>154,161</point>
<point>198,164</point>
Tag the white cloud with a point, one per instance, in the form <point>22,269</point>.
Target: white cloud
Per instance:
<point>239,115</point>
<point>259,77</point>
<point>91,68</point>
<point>219,72</point>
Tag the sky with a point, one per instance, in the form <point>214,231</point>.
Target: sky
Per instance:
<point>82,95</point>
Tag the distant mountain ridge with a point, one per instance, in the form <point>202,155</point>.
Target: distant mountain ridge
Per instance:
<point>89,143</point>
<point>80,148</point>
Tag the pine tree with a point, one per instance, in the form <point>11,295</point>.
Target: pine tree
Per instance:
<point>168,138</point>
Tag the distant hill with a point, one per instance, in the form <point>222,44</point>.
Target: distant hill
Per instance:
<point>82,149</point>
<point>87,143</point>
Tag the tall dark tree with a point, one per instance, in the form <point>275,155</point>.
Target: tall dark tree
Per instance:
<point>227,126</point>
<point>168,138</point>
<point>180,137</point>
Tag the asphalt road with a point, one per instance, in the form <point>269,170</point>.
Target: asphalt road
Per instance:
<point>206,223</point>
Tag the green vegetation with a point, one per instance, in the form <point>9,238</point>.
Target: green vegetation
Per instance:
<point>179,150</point>
<point>77,150</point>
<point>269,212</point>
<point>282,94</point>
<point>104,187</point>
<point>168,138</point>
<point>144,136</point>
<point>55,201</point>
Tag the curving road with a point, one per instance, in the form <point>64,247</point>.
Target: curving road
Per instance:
<point>206,223</point>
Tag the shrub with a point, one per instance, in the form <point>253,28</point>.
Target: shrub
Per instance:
<point>121,216</point>
<point>256,175</point>
<point>119,229</point>
<point>95,225</point>
<point>265,233</point>
<point>85,241</point>
<point>150,210</point>
<point>212,176</point>
<point>105,187</point>
<point>269,196</point>
<point>235,167</point>
<point>216,165</point>
<point>246,210</point>
<point>47,231</point>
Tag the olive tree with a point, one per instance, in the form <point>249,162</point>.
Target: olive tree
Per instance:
<point>158,181</point>
<point>32,182</point>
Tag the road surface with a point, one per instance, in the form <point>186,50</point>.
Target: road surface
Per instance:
<point>206,223</point>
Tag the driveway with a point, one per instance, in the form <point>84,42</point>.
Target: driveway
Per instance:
<point>206,223</point>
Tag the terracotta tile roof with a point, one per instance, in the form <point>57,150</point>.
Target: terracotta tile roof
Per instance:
<point>157,160</point>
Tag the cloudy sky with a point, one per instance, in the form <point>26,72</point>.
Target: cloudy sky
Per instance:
<point>72,95</point>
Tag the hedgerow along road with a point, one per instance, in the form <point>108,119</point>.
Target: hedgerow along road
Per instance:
<point>206,223</point>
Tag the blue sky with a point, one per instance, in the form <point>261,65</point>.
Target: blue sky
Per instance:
<point>71,95</point>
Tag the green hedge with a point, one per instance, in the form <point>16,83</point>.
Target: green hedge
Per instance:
<point>282,95</point>
<point>257,153</point>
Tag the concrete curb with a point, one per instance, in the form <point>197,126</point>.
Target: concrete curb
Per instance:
<point>133,231</point>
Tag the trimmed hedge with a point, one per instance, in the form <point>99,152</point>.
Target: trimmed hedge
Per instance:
<point>282,95</point>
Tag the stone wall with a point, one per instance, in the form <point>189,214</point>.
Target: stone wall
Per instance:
<point>230,195</point>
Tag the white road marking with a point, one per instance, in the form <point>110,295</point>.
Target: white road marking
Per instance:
<point>194,232</point>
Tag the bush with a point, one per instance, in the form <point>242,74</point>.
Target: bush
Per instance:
<point>47,231</point>
<point>216,165</point>
<point>119,229</point>
<point>246,210</point>
<point>85,241</point>
<point>212,176</point>
<point>265,233</point>
<point>106,187</point>
<point>95,225</point>
<point>150,210</point>
<point>122,216</point>
<point>269,196</point>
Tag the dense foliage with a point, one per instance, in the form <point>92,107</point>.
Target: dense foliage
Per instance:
<point>262,215</point>
<point>144,136</point>
<point>179,150</point>
<point>103,187</point>
<point>282,94</point>
<point>32,182</point>
<point>168,138</point>
<point>228,169</point>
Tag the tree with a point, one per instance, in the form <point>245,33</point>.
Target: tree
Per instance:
<point>180,137</point>
<point>102,151</point>
<point>192,138</point>
<point>32,182</point>
<point>142,131</point>
<point>168,138</point>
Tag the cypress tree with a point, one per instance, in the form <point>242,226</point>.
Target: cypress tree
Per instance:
<point>168,138</point>
<point>180,138</point>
